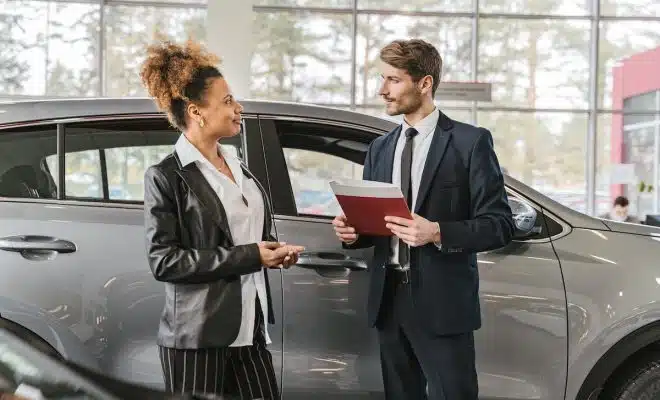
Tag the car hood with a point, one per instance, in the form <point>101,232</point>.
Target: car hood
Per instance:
<point>637,229</point>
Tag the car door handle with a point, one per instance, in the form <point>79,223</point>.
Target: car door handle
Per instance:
<point>330,260</point>
<point>27,243</point>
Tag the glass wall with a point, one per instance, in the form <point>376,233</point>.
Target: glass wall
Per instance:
<point>641,148</point>
<point>551,65</point>
<point>87,47</point>
<point>557,112</point>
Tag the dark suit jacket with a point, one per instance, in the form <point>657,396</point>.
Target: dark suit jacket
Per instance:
<point>462,188</point>
<point>190,248</point>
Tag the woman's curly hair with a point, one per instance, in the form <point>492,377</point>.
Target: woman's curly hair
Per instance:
<point>175,75</point>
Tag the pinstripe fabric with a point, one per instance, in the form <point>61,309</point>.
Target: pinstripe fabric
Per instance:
<point>233,372</point>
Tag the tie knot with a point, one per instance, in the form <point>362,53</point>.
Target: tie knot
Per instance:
<point>411,132</point>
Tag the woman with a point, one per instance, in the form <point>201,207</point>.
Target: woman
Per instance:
<point>205,218</point>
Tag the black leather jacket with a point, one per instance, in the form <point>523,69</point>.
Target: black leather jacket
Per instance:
<point>190,248</point>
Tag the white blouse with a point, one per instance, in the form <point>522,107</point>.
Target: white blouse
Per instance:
<point>246,223</point>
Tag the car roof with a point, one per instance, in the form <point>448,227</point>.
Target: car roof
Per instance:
<point>20,112</point>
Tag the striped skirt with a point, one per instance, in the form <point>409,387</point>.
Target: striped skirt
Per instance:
<point>229,372</point>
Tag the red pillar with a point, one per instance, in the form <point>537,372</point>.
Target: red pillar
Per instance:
<point>635,75</point>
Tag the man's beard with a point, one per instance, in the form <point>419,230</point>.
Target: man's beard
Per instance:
<point>413,104</point>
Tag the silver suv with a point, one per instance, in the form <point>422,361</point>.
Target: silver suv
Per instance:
<point>571,308</point>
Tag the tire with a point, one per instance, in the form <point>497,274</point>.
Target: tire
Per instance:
<point>638,381</point>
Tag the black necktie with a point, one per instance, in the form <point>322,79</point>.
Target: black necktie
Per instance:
<point>406,187</point>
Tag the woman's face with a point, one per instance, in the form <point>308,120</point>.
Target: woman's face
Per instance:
<point>221,113</point>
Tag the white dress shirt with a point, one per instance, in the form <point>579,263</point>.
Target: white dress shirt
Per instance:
<point>246,224</point>
<point>421,146</point>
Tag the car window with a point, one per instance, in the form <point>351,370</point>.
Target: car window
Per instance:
<point>23,170</point>
<point>83,176</point>
<point>313,154</point>
<point>553,227</point>
<point>126,166</point>
<point>305,156</point>
<point>310,173</point>
<point>106,161</point>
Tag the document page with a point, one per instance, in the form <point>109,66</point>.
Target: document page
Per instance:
<point>367,203</point>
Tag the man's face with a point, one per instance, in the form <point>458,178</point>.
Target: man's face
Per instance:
<point>401,94</point>
<point>620,212</point>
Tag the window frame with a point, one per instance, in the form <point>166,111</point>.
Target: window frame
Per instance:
<point>284,202</point>
<point>61,135</point>
<point>284,199</point>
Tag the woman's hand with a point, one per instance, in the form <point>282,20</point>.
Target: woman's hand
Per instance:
<point>292,255</point>
<point>279,255</point>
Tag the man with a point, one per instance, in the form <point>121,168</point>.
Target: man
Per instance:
<point>619,211</point>
<point>424,288</point>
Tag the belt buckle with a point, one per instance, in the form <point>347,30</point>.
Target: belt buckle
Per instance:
<point>402,274</point>
<point>405,275</point>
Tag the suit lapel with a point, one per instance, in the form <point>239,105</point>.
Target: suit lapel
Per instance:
<point>388,162</point>
<point>441,138</point>
<point>205,194</point>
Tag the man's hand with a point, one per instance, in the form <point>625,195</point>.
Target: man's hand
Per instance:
<point>344,232</point>
<point>414,232</point>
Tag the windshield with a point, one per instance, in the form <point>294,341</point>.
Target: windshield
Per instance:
<point>26,374</point>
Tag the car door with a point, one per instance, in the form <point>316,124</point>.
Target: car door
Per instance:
<point>522,344</point>
<point>102,291</point>
<point>329,350</point>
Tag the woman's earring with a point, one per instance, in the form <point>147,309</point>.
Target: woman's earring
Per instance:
<point>201,123</point>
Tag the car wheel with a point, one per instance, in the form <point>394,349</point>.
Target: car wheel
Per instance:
<point>638,381</point>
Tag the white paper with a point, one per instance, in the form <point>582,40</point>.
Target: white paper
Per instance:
<point>363,188</point>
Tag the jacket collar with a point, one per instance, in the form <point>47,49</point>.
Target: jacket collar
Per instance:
<point>426,126</point>
<point>442,133</point>
<point>187,153</point>
<point>206,196</point>
<point>187,156</point>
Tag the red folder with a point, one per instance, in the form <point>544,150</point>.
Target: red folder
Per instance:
<point>367,203</point>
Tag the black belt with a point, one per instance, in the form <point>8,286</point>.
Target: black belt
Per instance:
<point>398,275</point>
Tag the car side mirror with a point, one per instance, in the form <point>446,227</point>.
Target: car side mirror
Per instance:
<point>524,219</point>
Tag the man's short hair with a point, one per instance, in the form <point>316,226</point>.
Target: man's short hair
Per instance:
<point>415,56</point>
<point>621,201</point>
